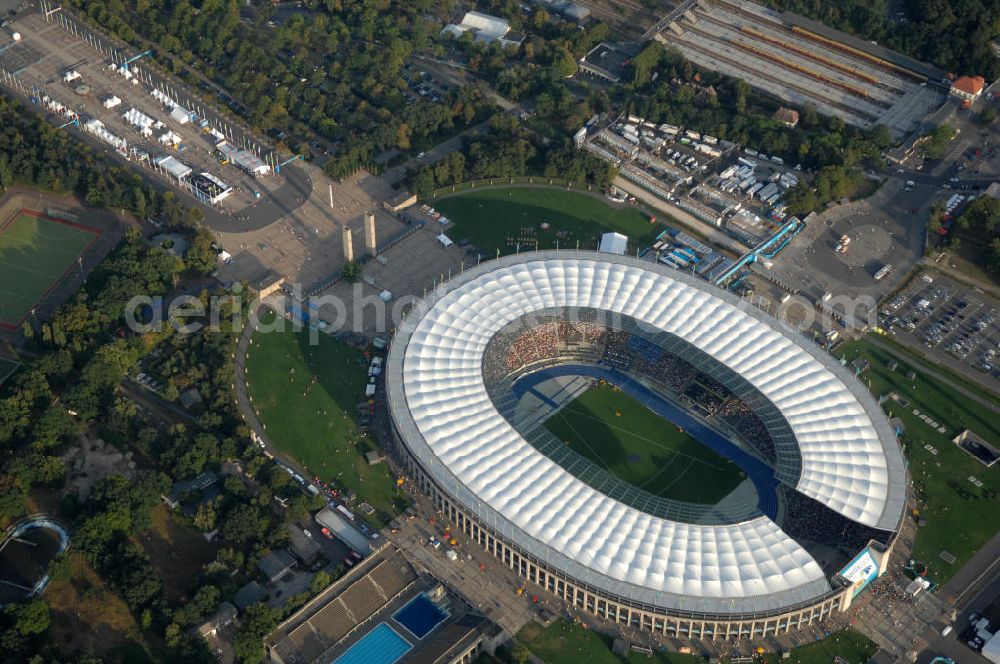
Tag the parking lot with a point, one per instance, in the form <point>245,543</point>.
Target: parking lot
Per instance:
<point>949,322</point>
<point>885,229</point>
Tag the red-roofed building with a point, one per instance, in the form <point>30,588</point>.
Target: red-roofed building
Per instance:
<point>968,87</point>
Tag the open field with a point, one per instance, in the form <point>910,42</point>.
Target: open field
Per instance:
<point>177,551</point>
<point>501,218</point>
<point>960,516</point>
<point>615,431</point>
<point>305,397</point>
<point>35,252</point>
<point>849,645</point>
<point>564,643</point>
<point>87,617</point>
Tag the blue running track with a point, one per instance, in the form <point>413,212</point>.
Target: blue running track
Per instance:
<point>757,471</point>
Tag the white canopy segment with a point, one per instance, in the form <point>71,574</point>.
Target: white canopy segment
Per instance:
<point>850,460</point>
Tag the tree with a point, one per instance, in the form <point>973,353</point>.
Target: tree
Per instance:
<point>319,582</point>
<point>29,618</point>
<point>200,255</point>
<point>257,621</point>
<point>993,256</point>
<point>351,271</point>
<point>520,654</point>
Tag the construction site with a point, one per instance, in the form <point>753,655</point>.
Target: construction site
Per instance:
<point>803,62</point>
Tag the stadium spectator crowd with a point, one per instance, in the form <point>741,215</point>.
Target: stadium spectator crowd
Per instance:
<point>809,520</point>
<point>740,416</point>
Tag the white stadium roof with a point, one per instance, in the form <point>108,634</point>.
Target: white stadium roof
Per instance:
<point>850,460</point>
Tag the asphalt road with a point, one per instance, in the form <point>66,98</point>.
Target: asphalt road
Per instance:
<point>283,202</point>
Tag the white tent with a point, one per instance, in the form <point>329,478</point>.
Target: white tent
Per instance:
<point>614,243</point>
<point>174,167</point>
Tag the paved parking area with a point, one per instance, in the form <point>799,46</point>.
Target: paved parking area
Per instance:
<point>951,323</point>
<point>407,270</point>
<point>885,229</point>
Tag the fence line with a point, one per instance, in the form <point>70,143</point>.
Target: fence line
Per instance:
<point>502,182</point>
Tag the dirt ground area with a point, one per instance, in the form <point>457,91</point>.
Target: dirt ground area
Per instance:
<point>91,460</point>
<point>86,616</point>
<point>307,246</point>
<point>177,551</point>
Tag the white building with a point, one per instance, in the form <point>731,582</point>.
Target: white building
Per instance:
<point>485,28</point>
<point>614,243</point>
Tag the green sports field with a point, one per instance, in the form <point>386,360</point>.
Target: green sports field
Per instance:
<point>639,447</point>
<point>500,218</point>
<point>566,643</point>
<point>305,396</point>
<point>959,516</point>
<point>35,252</point>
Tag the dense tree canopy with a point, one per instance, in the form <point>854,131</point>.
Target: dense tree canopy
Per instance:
<point>953,34</point>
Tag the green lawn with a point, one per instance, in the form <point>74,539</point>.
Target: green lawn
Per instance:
<point>500,218</point>
<point>34,254</point>
<point>616,432</point>
<point>853,647</point>
<point>565,643</point>
<point>960,517</point>
<point>305,397</point>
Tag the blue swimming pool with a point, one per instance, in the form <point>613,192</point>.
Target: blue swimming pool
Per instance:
<point>420,616</point>
<point>382,645</point>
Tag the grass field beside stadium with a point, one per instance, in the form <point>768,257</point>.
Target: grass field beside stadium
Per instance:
<point>639,447</point>
<point>489,217</point>
<point>305,396</point>
<point>35,252</point>
<point>960,516</point>
<point>565,643</point>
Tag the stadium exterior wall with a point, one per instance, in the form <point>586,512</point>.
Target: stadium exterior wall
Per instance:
<point>674,614</point>
<point>583,597</point>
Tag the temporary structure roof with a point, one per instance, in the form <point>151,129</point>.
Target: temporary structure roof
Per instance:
<point>171,165</point>
<point>614,243</point>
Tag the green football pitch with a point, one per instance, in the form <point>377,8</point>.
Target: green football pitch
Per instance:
<point>639,447</point>
<point>511,218</point>
<point>35,252</point>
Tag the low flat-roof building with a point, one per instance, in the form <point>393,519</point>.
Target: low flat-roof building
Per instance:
<point>400,201</point>
<point>303,547</point>
<point>276,564</point>
<point>606,62</point>
<point>195,485</point>
<point>249,594</point>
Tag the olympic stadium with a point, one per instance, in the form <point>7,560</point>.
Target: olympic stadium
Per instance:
<point>478,371</point>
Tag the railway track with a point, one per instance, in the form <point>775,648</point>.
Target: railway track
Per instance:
<point>850,51</point>
<point>630,23</point>
<point>861,117</point>
<point>811,73</point>
<point>800,51</point>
